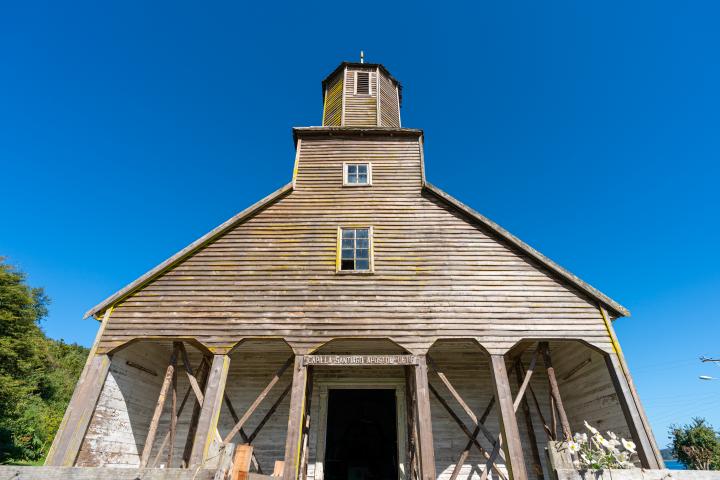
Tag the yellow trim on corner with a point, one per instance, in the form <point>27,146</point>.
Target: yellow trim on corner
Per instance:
<point>297,163</point>
<point>611,332</point>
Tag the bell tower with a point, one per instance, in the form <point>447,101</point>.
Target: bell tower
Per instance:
<point>361,95</point>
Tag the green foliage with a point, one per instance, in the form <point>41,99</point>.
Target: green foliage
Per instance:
<point>697,445</point>
<point>37,374</point>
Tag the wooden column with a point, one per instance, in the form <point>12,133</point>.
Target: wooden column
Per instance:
<point>411,423</point>
<point>525,405</point>
<point>197,407</point>
<point>630,400</point>
<point>633,415</point>
<point>509,432</point>
<point>426,448</point>
<point>295,420</point>
<point>210,412</point>
<point>159,406</point>
<point>79,412</point>
<point>555,400</point>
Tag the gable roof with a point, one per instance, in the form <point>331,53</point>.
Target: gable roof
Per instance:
<point>614,308</point>
<point>188,251</point>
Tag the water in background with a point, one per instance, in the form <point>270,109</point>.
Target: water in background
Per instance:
<point>674,465</point>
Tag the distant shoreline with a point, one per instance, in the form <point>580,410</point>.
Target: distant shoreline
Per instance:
<point>674,464</point>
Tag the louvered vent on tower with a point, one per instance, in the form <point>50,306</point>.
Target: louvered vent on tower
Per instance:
<point>362,83</point>
<point>361,95</point>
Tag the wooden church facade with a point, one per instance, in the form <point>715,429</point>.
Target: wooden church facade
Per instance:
<point>358,311</point>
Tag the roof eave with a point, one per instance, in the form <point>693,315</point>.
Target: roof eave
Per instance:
<point>615,309</point>
<point>305,132</point>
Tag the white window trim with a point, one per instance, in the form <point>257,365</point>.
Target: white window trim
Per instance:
<point>345,174</point>
<point>360,383</point>
<point>371,253</point>
<point>370,89</point>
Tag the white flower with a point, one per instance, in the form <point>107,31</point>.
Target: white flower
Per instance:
<point>605,443</point>
<point>611,435</point>
<point>629,446</point>
<point>581,437</point>
<point>573,447</point>
<point>592,429</point>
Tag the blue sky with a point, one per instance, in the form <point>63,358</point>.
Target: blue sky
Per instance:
<point>588,129</point>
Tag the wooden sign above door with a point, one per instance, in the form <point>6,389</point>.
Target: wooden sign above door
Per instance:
<point>359,360</point>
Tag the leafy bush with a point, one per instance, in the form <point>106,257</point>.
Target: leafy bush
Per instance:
<point>37,374</point>
<point>697,445</point>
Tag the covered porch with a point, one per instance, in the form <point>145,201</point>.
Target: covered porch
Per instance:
<point>355,409</point>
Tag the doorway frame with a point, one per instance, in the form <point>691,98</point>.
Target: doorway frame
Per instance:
<point>397,384</point>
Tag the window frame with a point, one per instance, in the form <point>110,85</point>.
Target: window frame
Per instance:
<point>370,90</point>
<point>371,251</point>
<point>345,174</point>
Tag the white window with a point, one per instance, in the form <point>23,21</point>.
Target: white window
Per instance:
<point>355,249</point>
<point>357,174</point>
<point>362,83</point>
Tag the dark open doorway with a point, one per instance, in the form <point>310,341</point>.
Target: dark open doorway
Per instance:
<point>361,442</point>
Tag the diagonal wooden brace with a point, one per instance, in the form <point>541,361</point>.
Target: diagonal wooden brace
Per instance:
<point>201,369</point>
<point>251,409</point>
<point>471,435</point>
<point>152,430</point>
<point>462,403</point>
<point>245,438</point>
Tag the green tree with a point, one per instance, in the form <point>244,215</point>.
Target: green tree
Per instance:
<point>37,374</point>
<point>697,445</point>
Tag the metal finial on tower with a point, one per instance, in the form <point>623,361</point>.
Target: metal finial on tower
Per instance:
<point>362,56</point>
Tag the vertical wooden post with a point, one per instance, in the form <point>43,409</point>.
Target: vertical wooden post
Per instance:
<point>173,405</point>
<point>80,410</point>
<point>424,421</point>
<point>305,452</point>
<point>295,420</point>
<point>510,434</point>
<point>524,404</point>
<point>67,442</point>
<point>159,405</point>
<point>555,392</point>
<point>192,428</point>
<point>633,416</point>
<point>412,463</point>
<point>210,411</point>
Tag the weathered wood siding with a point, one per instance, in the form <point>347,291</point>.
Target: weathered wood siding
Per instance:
<point>360,110</point>
<point>90,473</point>
<point>588,394</point>
<point>436,273</point>
<point>585,388</point>
<point>333,101</point>
<point>117,432</point>
<point>389,102</point>
<point>250,371</point>
<point>467,367</point>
